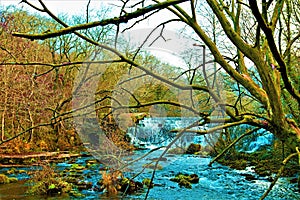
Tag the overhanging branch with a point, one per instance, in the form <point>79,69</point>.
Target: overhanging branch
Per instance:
<point>115,21</point>
<point>211,130</point>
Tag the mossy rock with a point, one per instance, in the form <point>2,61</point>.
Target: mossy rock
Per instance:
<point>235,164</point>
<point>147,182</point>
<point>21,171</point>
<point>152,166</point>
<point>178,177</point>
<point>193,148</point>
<point>77,167</point>
<point>3,179</point>
<point>12,180</point>
<point>159,159</point>
<point>11,171</point>
<point>176,150</point>
<point>92,162</point>
<point>185,183</point>
<point>185,180</point>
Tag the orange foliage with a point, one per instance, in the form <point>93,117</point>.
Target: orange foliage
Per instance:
<point>110,181</point>
<point>30,96</point>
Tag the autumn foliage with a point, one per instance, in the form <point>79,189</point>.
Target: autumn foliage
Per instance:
<point>31,97</point>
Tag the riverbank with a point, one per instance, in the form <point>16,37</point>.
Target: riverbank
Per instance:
<point>33,159</point>
<point>265,163</point>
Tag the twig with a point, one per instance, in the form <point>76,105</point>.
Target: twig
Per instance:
<point>117,20</point>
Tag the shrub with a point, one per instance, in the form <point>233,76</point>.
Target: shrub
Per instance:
<point>47,182</point>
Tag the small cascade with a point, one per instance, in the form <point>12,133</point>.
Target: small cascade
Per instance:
<point>259,140</point>
<point>157,131</point>
<point>262,141</point>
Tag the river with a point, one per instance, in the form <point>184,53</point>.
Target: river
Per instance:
<point>216,183</point>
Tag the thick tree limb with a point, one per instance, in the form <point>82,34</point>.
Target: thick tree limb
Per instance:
<point>116,20</point>
<point>217,128</point>
<point>269,35</point>
<point>245,80</point>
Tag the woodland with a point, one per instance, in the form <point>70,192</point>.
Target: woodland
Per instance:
<point>73,84</point>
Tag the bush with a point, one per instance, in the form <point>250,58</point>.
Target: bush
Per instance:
<point>114,181</point>
<point>48,182</point>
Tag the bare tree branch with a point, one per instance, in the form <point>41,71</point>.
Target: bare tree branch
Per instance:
<point>232,144</point>
<point>117,20</point>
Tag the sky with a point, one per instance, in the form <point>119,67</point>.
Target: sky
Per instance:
<point>56,6</point>
<point>166,51</point>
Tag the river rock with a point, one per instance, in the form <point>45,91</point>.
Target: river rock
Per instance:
<point>249,177</point>
<point>193,148</point>
<point>185,180</point>
<point>3,179</point>
<point>185,183</point>
<point>147,183</point>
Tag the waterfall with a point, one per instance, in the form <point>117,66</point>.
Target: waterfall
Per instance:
<point>156,131</point>
<point>152,132</point>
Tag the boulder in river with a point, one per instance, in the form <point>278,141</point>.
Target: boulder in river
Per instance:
<point>185,180</point>
<point>193,148</point>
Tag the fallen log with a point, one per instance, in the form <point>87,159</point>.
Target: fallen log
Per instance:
<point>8,160</point>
